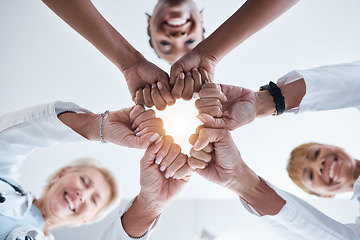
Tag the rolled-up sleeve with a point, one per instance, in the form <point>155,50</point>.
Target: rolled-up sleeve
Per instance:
<point>327,87</point>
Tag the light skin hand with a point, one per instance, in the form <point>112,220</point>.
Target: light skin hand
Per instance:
<point>156,190</point>
<point>227,106</point>
<point>227,169</point>
<point>132,127</point>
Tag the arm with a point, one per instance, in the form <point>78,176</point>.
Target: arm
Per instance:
<point>84,18</point>
<point>284,213</point>
<point>251,17</point>
<point>322,88</point>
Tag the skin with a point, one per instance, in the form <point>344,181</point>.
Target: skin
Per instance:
<point>251,17</point>
<point>139,128</point>
<point>316,167</point>
<point>223,165</point>
<point>88,192</point>
<point>175,28</point>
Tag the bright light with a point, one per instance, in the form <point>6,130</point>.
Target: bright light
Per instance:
<point>180,122</point>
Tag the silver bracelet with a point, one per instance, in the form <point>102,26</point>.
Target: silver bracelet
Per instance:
<point>101,125</point>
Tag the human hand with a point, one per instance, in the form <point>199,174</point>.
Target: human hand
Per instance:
<point>201,67</point>
<point>159,188</point>
<point>220,163</point>
<point>133,127</point>
<point>227,106</point>
<point>140,76</point>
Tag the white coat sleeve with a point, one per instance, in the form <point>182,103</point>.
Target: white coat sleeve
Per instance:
<point>22,131</point>
<point>327,87</point>
<point>298,220</point>
<point>115,230</point>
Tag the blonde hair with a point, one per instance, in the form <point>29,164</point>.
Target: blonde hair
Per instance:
<point>109,177</point>
<point>295,163</point>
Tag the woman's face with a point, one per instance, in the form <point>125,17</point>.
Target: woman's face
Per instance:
<point>328,170</point>
<point>175,28</point>
<point>76,197</point>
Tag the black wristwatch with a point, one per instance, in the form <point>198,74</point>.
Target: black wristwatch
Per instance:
<point>275,92</point>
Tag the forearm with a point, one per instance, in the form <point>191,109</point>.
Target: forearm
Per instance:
<point>293,94</point>
<point>85,124</point>
<point>84,18</point>
<point>139,217</point>
<point>251,17</point>
<point>257,193</point>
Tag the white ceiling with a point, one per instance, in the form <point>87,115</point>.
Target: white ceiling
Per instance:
<point>42,60</point>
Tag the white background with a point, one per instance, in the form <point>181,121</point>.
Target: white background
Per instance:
<point>42,60</point>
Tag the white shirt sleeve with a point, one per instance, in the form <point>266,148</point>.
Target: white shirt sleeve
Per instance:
<point>298,220</point>
<point>115,230</point>
<point>22,131</point>
<point>327,87</point>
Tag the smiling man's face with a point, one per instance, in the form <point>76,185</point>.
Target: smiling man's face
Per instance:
<point>175,28</point>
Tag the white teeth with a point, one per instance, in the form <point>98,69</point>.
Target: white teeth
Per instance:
<point>177,22</point>
<point>69,201</point>
<point>331,171</point>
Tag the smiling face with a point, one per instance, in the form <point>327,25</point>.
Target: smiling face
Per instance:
<point>76,197</point>
<point>175,28</point>
<point>326,170</point>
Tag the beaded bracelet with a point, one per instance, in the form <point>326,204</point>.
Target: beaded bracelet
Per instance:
<point>101,125</point>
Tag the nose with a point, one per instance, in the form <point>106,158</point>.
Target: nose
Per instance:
<point>82,195</point>
<point>319,165</point>
<point>177,34</point>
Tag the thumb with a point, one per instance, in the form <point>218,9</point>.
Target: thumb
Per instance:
<point>150,153</point>
<point>147,139</point>
<point>209,135</point>
<point>175,71</point>
<point>210,121</point>
<point>164,78</point>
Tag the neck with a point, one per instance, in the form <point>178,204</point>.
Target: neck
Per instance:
<point>49,223</point>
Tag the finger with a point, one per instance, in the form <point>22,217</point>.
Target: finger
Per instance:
<point>209,135</point>
<point>196,163</point>
<point>174,151</point>
<point>166,94</point>
<point>205,102</point>
<point>144,116</point>
<point>201,155</point>
<point>193,138</point>
<point>197,130</point>
<point>150,153</point>
<point>189,87</point>
<point>139,97</point>
<point>197,80</point>
<point>209,85</point>
<point>178,86</point>
<point>178,162</point>
<point>211,122</point>
<point>147,96</point>
<point>184,172</point>
<point>212,93</point>
<point>159,130</point>
<point>204,75</point>
<point>136,111</point>
<point>153,122</point>
<point>168,141</point>
<point>156,97</point>
<point>214,111</point>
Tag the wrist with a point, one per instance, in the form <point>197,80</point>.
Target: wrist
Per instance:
<point>150,203</point>
<point>130,59</point>
<point>265,104</point>
<point>205,49</point>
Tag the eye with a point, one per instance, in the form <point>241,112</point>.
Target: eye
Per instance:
<point>94,201</point>
<point>83,181</point>
<point>311,176</point>
<point>316,154</point>
<point>190,41</point>
<point>165,43</point>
